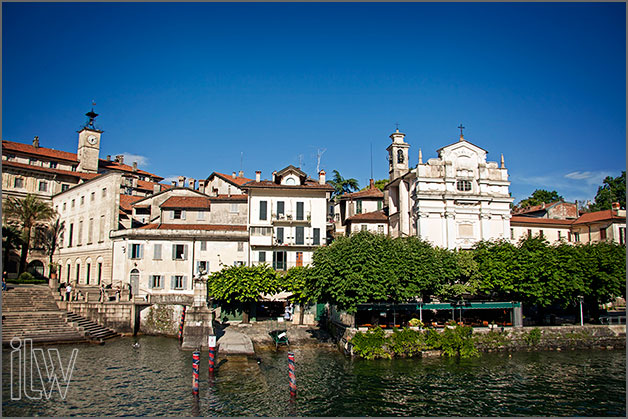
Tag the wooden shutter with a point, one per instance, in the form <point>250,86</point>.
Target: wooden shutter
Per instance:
<point>317,236</point>
<point>157,251</point>
<point>299,235</point>
<point>185,252</point>
<point>183,214</point>
<point>280,235</point>
<point>262,210</point>
<point>174,251</point>
<point>173,281</point>
<point>299,210</point>
<point>184,282</point>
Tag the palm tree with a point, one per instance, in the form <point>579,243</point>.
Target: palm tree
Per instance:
<point>342,185</point>
<point>49,240</point>
<point>28,213</point>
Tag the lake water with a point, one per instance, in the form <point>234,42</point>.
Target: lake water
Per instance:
<point>155,379</point>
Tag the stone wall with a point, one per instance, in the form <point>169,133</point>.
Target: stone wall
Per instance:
<point>117,316</point>
<point>160,319</point>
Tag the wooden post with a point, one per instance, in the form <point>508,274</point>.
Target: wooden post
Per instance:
<point>212,353</point>
<point>291,375</point>
<point>196,360</point>
<point>181,324</point>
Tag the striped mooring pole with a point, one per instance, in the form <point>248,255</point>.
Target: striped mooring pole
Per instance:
<point>291,376</point>
<point>212,359</point>
<point>196,361</point>
<point>181,324</point>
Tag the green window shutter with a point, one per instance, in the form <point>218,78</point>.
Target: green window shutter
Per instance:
<point>151,283</point>
<point>173,280</point>
<point>141,255</point>
<point>183,214</point>
<point>184,282</point>
<point>280,235</point>
<point>262,210</point>
<point>299,235</point>
<point>185,252</point>
<point>317,236</point>
<point>174,252</point>
<point>281,208</point>
<point>299,210</point>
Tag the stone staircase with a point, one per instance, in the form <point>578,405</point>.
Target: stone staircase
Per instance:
<point>29,311</point>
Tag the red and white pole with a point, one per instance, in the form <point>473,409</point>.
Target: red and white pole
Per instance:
<point>291,375</point>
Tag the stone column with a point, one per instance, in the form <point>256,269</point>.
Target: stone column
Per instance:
<point>451,230</point>
<point>404,227</point>
<point>198,319</point>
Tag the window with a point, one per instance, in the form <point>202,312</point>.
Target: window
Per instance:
<point>200,215</point>
<point>157,251</point>
<point>78,272</point>
<point>70,235</point>
<point>299,210</point>
<point>64,206</point>
<point>233,208</point>
<point>136,251</point>
<point>279,261</point>
<point>90,230</point>
<point>69,269</point>
<point>463,185</point>
<point>203,245</point>
<point>79,239</point>
<point>622,235</point>
<point>92,196</point>
<point>72,203</point>
<point>529,233</point>
<point>53,164</point>
<point>261,231</point>
<point>240,246</point>
<point>512,233</point>
<point>559,235</point>
<point>363,227</point>
<point>179,251</point>
<point>358,207</point>
<point>177,282</point>
<point>87,274</point>
<point>261,257</point>
<point>74,168</point>
<point>576,237</point>
<point>602,234</point>
<point>43,186</point>
<point>101,231</point>
<point>380,229</point>
<point>281,209</point>
<point>32,161</point>
<point>155,282</point>
<point>541,234</point>
<point>316,236</point>
<point>64,187</point>
<point>18,182</point>
<point>380,205</point>
<point>279,235</point>
<point>262,210</point>
<point>177,214</point>
<point>299,233</point>
<point>238,263</point>
<point>202,266</point>
<point>99,272</point>
<point>82,200</point>
<point>104,192</point>
<point>569,236</point>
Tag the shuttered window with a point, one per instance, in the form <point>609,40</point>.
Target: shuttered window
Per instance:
<point>263,207</point>
<point>157,251</point>
<point>299,210</point>
<point>316,239</point>
<point>299,239</point>
<point>281,208</point>
<point>279,235</point>
<point>179,251</point>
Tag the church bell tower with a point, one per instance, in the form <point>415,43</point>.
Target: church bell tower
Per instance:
<point>89,145</point>
<point>397,155</point>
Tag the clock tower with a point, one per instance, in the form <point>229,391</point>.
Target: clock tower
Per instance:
<point>89,145</point>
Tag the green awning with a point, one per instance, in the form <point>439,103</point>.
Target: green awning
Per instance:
<point>439,306</point>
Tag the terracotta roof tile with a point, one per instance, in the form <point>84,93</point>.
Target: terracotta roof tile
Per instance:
<point>148,186</point>
<point>239,198</point>
<point>206,227</point>
<point>536,208</point>
<point>38,151</point>
<point>186,202</point>
<point>270,184</point>
<point>81,175</point>
<point>367,193</point>
<point>126,201</point>
<point>238,181</point>
<point>113,165</point>
<point>375,216</point>
<point>591,217</point>
<point>515,219</point>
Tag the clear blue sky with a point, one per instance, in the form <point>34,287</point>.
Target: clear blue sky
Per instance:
<point>187,87</point>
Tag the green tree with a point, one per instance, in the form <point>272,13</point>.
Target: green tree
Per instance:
<point>538,197</point>
<point>11,241</point>
<point>241,286</point>
<point>27,213</point>
<point>342,185</point>
<point>295,281</point>
<point>379,184</point>
<point>612,190</point>
<point>49,240</point>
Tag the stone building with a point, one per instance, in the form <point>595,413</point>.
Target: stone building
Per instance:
<point>368,200</point>
<point>287,217</point>
<point>452,201</point>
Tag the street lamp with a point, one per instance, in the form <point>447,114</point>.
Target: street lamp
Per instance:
<point>581,298</point>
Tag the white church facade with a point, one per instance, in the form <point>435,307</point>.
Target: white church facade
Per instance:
<point>452,201</point>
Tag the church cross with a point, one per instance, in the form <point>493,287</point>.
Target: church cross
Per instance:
<point>461,128</point>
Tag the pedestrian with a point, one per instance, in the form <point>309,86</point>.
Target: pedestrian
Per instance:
<point>102,293</point>
<point>286,314</point>
<point>68,291</point>
<point>4,281</point>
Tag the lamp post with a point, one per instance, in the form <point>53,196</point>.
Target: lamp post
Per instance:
<point>581,298</point>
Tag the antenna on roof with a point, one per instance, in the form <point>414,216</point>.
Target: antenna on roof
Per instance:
<point>371,160</point>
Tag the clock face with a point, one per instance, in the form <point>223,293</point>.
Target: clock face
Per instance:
<point>92,139</point>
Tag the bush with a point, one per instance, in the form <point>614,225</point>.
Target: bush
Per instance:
<point>370,344</point>
<point>533,337</point>
<point>458,342</point>
<point>493,339</point>
<point>415,323</point>
<point>406,342</point>
<point>28,278</point>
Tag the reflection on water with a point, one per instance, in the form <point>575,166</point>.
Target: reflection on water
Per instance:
<point>155,379</point>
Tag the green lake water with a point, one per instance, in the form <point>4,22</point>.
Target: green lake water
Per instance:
<point>155,379</point>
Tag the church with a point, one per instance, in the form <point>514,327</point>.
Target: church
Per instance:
<point>452,201</point>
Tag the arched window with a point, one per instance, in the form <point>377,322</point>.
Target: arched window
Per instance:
<point>134,281</point>
<point>463,185</point>
<point>399,156</point>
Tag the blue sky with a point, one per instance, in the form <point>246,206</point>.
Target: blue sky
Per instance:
<point>186,88</point>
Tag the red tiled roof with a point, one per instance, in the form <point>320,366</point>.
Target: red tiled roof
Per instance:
<point>367,193</point>
<point>592,217</point>
<point>375,217</point>
<point>536,208</point>
<point>533,220</point>
<point>239,197</point>
<point>186,202</point>
<point>148,186</point>
<point>206,227</point>
<point>126,201</point>
<point>309,184</point>
<point>238,181</point>
<point>113,165</point>
<point>81,175</point>
<point>38,151</point>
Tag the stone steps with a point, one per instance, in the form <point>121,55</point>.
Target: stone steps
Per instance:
<point>93,329</point>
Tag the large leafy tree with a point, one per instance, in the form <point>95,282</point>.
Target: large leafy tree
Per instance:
<point>240,286</point>
<point>27,213</point>
<point>379,184</point>
<point>612,190</point>
<point>49,240</point>
<point>11,241</point>
<point>342,185</point>
<point>538,197</point>
<point>295,281</point>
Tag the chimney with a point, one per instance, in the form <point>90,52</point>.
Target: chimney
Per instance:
<point>241,173</point>
<point>615,206</point>
<point>174,183</point>
<point>36,141</point>
<point>201,185</point>
<point>134,182</point>
<point>321,177</point>
<point>502,162</point>
<point>274,176</point>
<point>120,158</point>
<point>191,182</point>
<point>156,188</point>
<point>182,181</point>
<point>108,157</point>
<point>135,166</point>
<point>233,175</point>
<point>258,175</point>
<point>371,184</point>
<point>420,157</point>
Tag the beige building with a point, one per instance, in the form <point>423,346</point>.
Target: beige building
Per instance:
<point>375,222</point>
<point>368,200</point>
<point>287,217</point>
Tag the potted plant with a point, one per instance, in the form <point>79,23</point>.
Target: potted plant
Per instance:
<point>54,268</point>
<point>415,324</point>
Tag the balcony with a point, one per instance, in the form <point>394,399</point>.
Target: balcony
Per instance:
<point>290,218</point>
<point>280,265</point>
